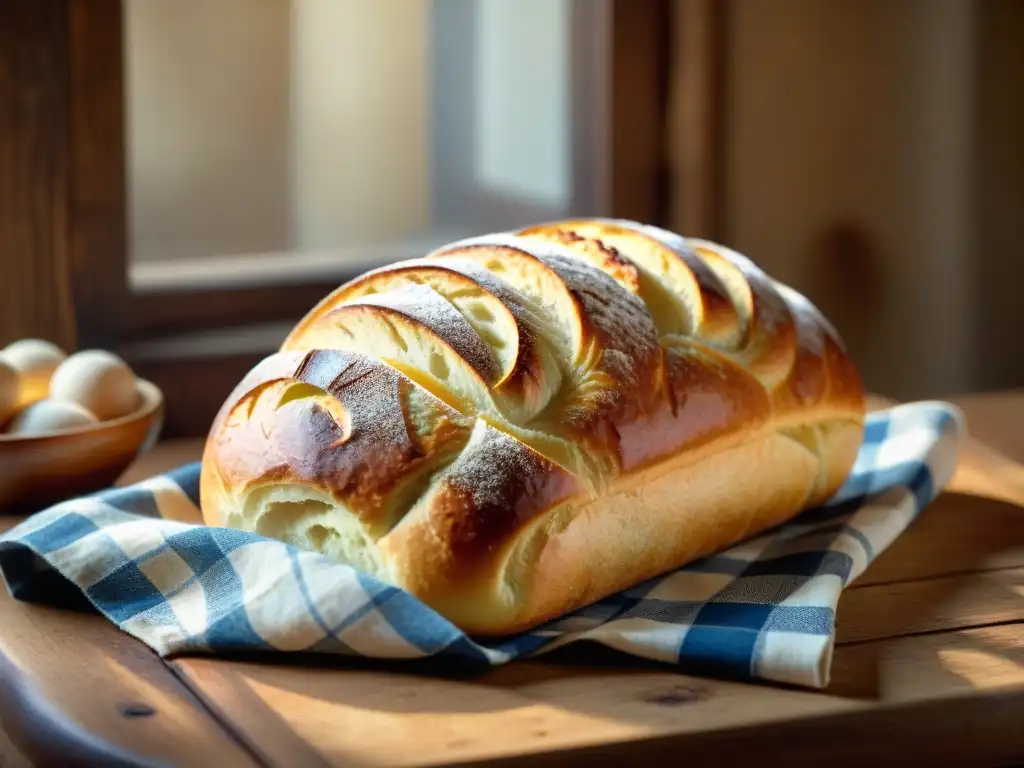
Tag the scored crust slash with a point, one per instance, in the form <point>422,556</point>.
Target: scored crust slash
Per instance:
<point>519,424</point>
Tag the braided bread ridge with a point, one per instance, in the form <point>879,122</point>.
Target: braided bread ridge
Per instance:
<point>517,424</point>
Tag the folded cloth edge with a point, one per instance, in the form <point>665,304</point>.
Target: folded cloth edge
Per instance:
<point>950,429</point>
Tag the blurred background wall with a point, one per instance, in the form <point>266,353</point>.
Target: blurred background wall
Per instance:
<point>871,151</point>
<point>207,126</point>
<point>266,125</point>
<point>873,158</point>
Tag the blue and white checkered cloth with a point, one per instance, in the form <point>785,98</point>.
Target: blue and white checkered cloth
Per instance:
<point>762,610</point>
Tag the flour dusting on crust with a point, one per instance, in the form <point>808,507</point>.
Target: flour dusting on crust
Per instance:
<point>496,485</point>
<point>425,305</point>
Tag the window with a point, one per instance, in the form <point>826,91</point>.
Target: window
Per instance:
<point>192,175</point>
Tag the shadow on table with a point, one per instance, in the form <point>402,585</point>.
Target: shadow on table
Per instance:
<point>896,657</point>
<point>944,602</point>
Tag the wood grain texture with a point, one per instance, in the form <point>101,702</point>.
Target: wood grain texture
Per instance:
<point>934,604</point>
<point>957,534</point>
<point>76,691</point>
<point>536,711</point>
<point>694,117</point>
<point>35,292</point>
<point>97,197</point>
<point>991,418</point>
<point>929,662</point>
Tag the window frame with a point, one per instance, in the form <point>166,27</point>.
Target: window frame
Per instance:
<point>195,343</point>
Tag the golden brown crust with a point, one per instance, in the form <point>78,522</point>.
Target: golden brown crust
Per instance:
<point>614,322</point>
<point>521,423</point>
<point>476,506</point>
<point>710,314</point>
<point>613,344</point>
<point>346,435</point>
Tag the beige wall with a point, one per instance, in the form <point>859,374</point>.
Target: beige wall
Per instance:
<point>856,114</point>
<point>999,195</point>
<point>253,124</point>
<point>522,103</point>
<point>360,141</point>
<point>208,145</point>
<point>275,125</point>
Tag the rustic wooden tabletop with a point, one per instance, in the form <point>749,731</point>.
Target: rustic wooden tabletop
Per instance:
<point>929,669</point>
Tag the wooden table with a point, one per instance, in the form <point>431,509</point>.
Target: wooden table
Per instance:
<point>929,669</point>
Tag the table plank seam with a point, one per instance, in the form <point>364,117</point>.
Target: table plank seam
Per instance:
<point>932,577</point>
<point>244,743</point>
<point>929,632</point>
<point>303,753</point>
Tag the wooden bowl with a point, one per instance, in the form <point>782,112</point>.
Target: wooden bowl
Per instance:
<point>39,470</point>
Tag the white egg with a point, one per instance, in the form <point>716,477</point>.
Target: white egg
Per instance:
<point>99,381</point>
<point>49,416</point>
<point>10,387</point>
<point>35,360</point>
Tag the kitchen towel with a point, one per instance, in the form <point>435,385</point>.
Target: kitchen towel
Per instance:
<point>764,609</point>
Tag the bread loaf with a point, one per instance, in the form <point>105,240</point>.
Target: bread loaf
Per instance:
<point>519,424</point>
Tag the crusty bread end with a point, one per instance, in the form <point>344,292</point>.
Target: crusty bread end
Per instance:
<point>520,424</point>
